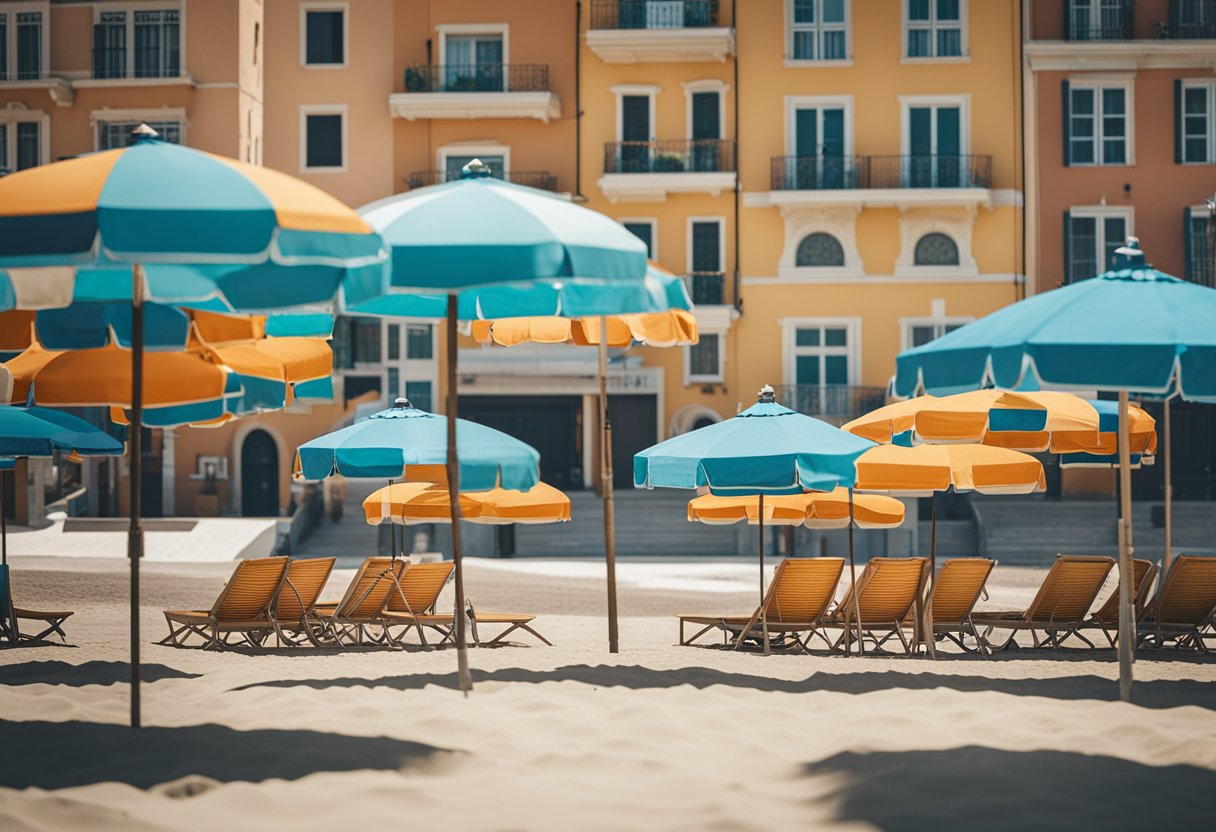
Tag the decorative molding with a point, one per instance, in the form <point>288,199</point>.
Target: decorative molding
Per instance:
<point>885,279</point>
<point>654,187</point>
<point>410,106</point>
<point>905,199</point>
<point>1131,55</point>
<point>642,46</point>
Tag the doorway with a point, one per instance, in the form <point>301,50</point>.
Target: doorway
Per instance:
<point>634,428</point>
<point>259,475</point>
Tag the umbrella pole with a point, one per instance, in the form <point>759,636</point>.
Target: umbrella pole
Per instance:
<point>1126,589</point>
<point>763,608</point>
<point>1169,492</point>
<point>462,656</point>
<point>135,536</point>
<point>929,645</point>
<point>606,489</point>
<point>861,649</point>
<point>3,520</point>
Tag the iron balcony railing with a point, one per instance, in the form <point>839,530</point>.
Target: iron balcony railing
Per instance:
<point>653,14</point>
<point>477,78</point>
<point>1189,20</point>
<point>532,178</point>
<point>837,402</point>
<point>817,173</point>
<point>707,288</point>
<point>150,62</point>
<point>1109,23</point>
<point>670,156</point>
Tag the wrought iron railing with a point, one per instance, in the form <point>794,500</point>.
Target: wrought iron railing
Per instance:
<point>1189,20</point>
<point>532,178</point>
<point>150,62</point>
<point>707,288</point>
<point>653,14</point>
<point>831,401</point>
<point>477,78</point>
<point>1107,24</point>
<point>815,173</point>
<point>670,156</point>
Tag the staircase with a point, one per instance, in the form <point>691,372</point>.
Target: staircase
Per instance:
<point>351,539</point>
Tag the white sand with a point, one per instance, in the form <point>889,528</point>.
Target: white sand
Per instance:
<point>658,737</point>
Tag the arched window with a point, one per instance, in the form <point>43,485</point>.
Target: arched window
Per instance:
<point>936,249</point>
<point>819,249</point>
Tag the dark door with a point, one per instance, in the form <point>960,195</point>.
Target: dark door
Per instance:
<point>151,492</point>
<point>706,131</point>
<point>1193,451</point>
<point>635,134</point>
<point>259,476</point>
<point>551,424</point>
<point>634,429</point>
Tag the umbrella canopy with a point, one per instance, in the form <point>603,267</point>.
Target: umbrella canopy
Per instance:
<point>815,510</point>
<point>382,445</point>
<point>766,449</point>
<point>421,502</point>
<point>39,431</point>
<point>926,469</point>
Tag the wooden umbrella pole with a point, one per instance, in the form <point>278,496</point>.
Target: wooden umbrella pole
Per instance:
<point>1127,589</point>
<point>1169,490</point>
<point>135,535</point>
<point>763,608</point>
<point>3,520</point>
<point>861,648</point>
<point>606,490</point>
<point>462,655</point>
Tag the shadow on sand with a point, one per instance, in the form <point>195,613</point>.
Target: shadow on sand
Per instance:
<point>962,789</point>
<point>1152,694</point>
<point>89,673</point>
<point>56,755</point>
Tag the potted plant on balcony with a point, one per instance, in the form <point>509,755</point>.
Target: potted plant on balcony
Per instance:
<point>667,163</point>
<point>416,81</point>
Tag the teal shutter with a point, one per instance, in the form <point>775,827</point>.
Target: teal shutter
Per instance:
<point>1067,248</point>
<point>1178,120</point>
<point>1067,125</point>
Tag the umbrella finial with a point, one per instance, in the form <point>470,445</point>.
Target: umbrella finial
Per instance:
<point>403,403</point>
<point>476,169</point>
<point>142,133</point>
<point>1128,256</point>
<point>767,395</point>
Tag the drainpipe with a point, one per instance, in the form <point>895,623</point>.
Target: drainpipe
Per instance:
<point>734,21</point>
<point>578,106</point>
<point>1019,288</point>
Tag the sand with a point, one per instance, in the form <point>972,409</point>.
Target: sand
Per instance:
<point>658,737</point>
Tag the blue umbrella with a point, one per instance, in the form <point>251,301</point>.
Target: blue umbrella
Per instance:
<point>767,449</point>
<point>1130,329</point>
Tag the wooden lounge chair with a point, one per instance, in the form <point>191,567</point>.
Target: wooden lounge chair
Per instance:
<point>1106,618</point>
<point>795,603</point>
<point>242,608</point>
<point>1058,608</point>
<point>1184,606</point>
<point>11,616</point>
<point>362,606</point>
<point>888,590</point>
<point>513,621</point>
<point>959,585</point>
<point>295,607</point>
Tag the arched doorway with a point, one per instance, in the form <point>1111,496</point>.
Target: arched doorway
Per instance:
<point>259,475</point>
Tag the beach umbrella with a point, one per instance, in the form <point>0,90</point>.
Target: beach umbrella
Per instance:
<point>156,221</point>
<point>1130,329</point>
<point>813,509</point>
<point>925,470</point>
<point>527,252</point>
<point>767,450</point>
<point>407,503</point>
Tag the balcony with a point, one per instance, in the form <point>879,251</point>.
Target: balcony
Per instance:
<point>1108,24</point>
<point>836,403</point>
<point>476,91</point>
<point>707,288</point>
<point>541,179</point>
<point>647,171</point>
<point>112,63</point>
<point>878,181</point>
<point>1189,20</point>
<point>658,31</point>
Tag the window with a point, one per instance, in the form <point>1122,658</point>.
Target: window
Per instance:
<point>29,46</point>
<point>934,28</point>
<point>114,134</point>
<point>324,140</point>
<point>821,353</point>
<point>20,144</point>
<point>1198,246</point>
<point>155,33</point>
<point>1196,121</point>
<point>324,36</point>
<point>703,360</point>
<point>393,338</point>
<point>473,63</point>
<point>644,230</point>
<point>110,45</point>
<point>1097,19</point>
<point>453,165</point>
<point>705,257</point>
<point>916,332</point>
<point>392,384</point>
<point>820,142</point>
<point>935,146</point>
<point>420,342</point>
<point>819,249</point>
<point>3,46</point>
<point>819,30</point>
<point>1090,239</point>
<point>935,249</point>
<point>366,341</point>
<point>419,394</point>
<point>1096,129</point>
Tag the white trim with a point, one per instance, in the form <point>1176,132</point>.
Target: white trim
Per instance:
<point>1208,85</point>
<point>932,28</point>
<point>907,102</point>
<point>817,27</point>
<point>1128,55</point>
<point>653,222</point>
<point>307,110</point>
<point>906,326</point>
<point>411,106</point>
<point>717,378</point>
<point>852,348</point>
<point>914,225</point>
<point>443,30</point>
<point>1097,83</point>
<point>702,44</point>
<point>622,90</point>
<point>44,52</point>
<point>840,223</point>
<point>818,102</point>
<point>305,8</point>
<point>884,279</point>
<point>654,187</point>
<point>129,8</point>
<point>1099,212</point>
<point>707,85</point>
<point>905,199</point>
<point>476,149</point>
<point>13,117</point>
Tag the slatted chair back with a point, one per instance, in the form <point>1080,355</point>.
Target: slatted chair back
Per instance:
<point>370,588</point>
<point>889,587</point>
<point>420,587</point>
<point>803,588</point>
<point>1069,590</point>
<point>1145,572</point>
<point>251,590</point>
<point>960,582</point>
<point>1188,595</point>
<point>306,578</point>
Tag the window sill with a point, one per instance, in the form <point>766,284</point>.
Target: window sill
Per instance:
<point>693,381</point>
<point>952,59</point>
<point>801,63</point>
<point>341,169</point>
<point>1103,164</point>
<point>325,66</point>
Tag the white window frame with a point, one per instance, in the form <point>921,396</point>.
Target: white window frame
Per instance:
<point>622,90</point>
<point>653,222</point>
<point>716,378</point>
<point>473,149</point>
<point>307,110</point>
<point>305,8</point>
<point>958,225</point>
<point>932,26</point>
<point>99,117</point>
<point>789,351</point>
<point>908,102</point>
<point>1099,213</point>
<point>938,320</point>
<point>1208,85</point>
<point>129,9</point>
<point>840,223</point>
<point>503,30</point>
<point>12,10</point>
<point>12,118</point>
<point>819,29</point>
<point>706,85</point>
<point>1098,84</point>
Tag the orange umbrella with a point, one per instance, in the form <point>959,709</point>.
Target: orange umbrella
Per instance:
<point>815,510</point>
<point>423,502</point>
